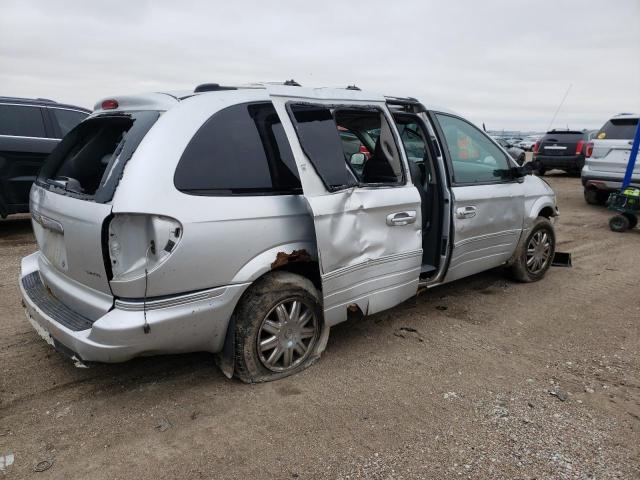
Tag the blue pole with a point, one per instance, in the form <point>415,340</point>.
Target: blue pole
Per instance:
<point>632,158</point>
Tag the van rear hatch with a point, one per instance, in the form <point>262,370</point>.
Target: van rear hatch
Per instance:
<point>612,146</point>
<point>71,199</point>
<point>560,143</point>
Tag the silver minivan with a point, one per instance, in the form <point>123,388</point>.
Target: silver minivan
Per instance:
<point>247,221</point>
<point>607,158</point>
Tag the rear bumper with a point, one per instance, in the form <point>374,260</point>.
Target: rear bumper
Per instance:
<point>608,181</point>
<point>569,162</point>
<point>178,324</point>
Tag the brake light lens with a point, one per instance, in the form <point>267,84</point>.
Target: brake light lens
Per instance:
<point>137,242</point>
<point>589,150</point>
<point>536,146</point>
<point>110,104</point>
<point>579,147</point>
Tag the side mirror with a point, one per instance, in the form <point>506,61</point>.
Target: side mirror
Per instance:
<point>515,173</point>
<point>357,159</point>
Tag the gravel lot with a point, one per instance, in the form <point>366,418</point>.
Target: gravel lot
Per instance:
<point>498,380</point>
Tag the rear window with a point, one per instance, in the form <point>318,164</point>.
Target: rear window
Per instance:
<point>91,157</point>
<point>618,129</point>
<point>564,136</point>
<point>21,121</point>
<point>240,150</point>
<point>67,119</point>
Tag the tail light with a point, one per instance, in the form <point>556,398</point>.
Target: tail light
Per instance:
<point>579,147</point>
<point>589,150</point>
<point>139,242</point>
<point>536,147</point>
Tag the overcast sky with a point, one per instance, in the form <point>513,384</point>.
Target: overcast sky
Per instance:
<point>505,63</point>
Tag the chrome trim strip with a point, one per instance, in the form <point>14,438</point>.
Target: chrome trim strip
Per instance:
<point>139,305</point>
<point>33,138</point>
<point>23,104</point>
<point>487,236</point>
<point>371,263</point>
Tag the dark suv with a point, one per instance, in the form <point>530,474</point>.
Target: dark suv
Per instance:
<point>29,130</point>
<point>561,149</point>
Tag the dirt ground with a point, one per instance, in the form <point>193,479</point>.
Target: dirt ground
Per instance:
<point>498,380</point>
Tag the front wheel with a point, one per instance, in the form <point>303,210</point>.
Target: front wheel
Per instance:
<point>619,223</point>
<point>521,159</point>
<point>535,254</point>
<point>278,328</point>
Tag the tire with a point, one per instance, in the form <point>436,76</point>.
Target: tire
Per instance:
<point>619,223</point>
<point>633,220</point>
<point>540,171</point>
<point>521,159</point>
<point>535,255</point>
<point>259,317</point>
<point>595,197</point>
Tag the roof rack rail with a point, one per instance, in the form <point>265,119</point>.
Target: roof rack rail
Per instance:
<point>212,87</point>
<point>292,83</point>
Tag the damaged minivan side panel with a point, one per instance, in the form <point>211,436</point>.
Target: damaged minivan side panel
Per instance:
<point>367,231</point>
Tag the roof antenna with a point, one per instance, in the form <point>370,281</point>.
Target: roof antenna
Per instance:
<point>292,83</point>
<point>353,87</point>
<point>559,106</point>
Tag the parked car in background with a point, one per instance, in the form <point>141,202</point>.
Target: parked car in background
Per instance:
<point>560,149</point>
<point>515,152</point>
<point>229,220</point>
<point>29,130</point>
<point>528,143</point>
<point>607,158</point>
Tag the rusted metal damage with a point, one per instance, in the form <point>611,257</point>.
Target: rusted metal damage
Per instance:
<point>283,258</point>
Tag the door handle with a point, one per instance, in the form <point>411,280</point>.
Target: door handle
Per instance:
<point>466,212</point>
<point>401,218</point>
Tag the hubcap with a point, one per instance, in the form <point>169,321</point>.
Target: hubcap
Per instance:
<point>287,335</point>
<point>538,252</point>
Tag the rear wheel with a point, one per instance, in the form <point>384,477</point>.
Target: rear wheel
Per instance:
<point>521,159</point>
<point>278,327</point>
<point>633,220</point>
<point>619,223</point>
<point>540,171</point>
<point>595,197</point>
<point>535,255</point>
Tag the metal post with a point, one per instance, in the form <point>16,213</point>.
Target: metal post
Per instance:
<point>632,158</point>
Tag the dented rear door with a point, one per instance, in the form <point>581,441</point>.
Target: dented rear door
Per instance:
<point>368,235</point>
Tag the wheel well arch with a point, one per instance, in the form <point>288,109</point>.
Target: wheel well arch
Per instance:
<point>309,269</point>
<point>547,212</point>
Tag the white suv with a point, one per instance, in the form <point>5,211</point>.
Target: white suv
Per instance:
<point>248,221</point>
<point>607,156</point>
